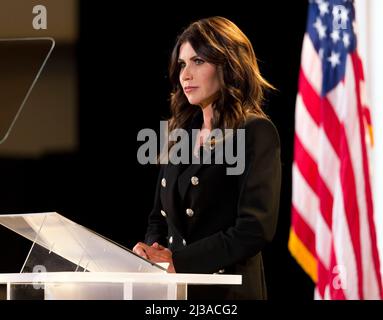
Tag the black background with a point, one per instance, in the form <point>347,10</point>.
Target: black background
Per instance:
<point>122,57</point>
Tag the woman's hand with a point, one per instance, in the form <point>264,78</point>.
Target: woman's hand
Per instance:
<point>155,253</point>
<point>140,250</point>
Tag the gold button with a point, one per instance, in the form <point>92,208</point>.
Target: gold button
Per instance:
<point>194,181</point>
<point>184,242</point>
<point>163,213</point>
<point>189,212</point>
<point>163,182</point>
<point>171,240</point>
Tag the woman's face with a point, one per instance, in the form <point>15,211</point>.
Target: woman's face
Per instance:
<point>198,78</point>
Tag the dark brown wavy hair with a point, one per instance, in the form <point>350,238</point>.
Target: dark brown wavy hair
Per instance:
<point>219,41</point>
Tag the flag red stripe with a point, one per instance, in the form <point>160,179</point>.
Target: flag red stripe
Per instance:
<point>367,115</point>
<point>303,231</point>
<point>321,111</point>
<point>307,166</point>
<point>309,170</point>
<point>310,98</point>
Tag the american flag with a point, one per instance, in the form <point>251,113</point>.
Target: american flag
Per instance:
<point>332,233</point>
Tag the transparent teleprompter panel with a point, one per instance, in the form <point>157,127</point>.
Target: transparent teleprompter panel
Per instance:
<point>59,244</point>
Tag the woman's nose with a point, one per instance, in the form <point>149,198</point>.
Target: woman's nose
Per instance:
<point>186,74</point>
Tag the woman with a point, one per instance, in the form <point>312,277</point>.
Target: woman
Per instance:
<point>204,220</point>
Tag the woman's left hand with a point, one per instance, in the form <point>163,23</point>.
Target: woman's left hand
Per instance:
<point>158,253</point>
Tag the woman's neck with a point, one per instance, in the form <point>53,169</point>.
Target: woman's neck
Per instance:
<point>207,116</point>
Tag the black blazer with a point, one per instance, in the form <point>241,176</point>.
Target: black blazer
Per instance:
<point>218,223</point>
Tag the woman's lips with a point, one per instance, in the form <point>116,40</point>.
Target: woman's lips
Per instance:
<point>189,89</point>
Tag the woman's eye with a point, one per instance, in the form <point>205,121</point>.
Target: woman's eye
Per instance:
<point>199,61</point>
<point>181,65</point>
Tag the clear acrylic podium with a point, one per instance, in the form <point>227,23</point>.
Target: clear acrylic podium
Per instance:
<point>69,261</point>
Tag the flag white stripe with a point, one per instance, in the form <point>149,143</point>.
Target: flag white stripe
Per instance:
<point>328,164</point>
<point>304,199</point>
<point>306,129</point>
<point>323,246</point>
<point>311,64</point>
<point>343,250</point>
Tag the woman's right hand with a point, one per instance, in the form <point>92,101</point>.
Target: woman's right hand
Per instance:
<point>139,249</point>
<point>156,253</point>
<point>156,245</point>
